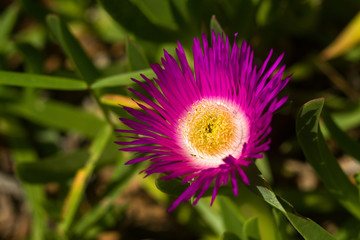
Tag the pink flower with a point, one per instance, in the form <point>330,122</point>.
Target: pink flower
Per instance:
<point>206,125</point>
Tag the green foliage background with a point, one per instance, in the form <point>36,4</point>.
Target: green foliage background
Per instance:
<point>66,66</point>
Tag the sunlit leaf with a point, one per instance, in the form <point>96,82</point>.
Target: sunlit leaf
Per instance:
<point>215,26</point>
<point>123,79</point>
<point>40,81</point>
<point>348,38</point>
<point>119,100</point>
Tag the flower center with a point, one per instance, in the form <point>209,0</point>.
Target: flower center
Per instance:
<point>213,130</point>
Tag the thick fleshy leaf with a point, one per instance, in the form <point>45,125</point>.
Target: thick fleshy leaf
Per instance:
<point>251,229</point>
<point>80,181</point>
<point>348,38</point>
<point>7,22</point>
<point>58,115</point>
<point>357,180</point>
<point>215,26</point>
<point>319,156</point>
<point>22,153</point>
<point>57,168</point>
<point>130,16</point>
<point>264,12</point>
<point>211,217</point>
<point>346,144</point>
<point>120,179</point>
<point>120,100</point>
<point>35,9</point>
<point>60,167</point>
<point>33,57</point>
<point>229,236</point>
<point>172,187</point>
<point>136,57</point>
<point>231,216</point>
<point>158,12</point>
<point>264,166</point>
<point>348,230</point>
<point>40,81</point>
<point>305,226</point>
<point>82,63</point>
<point>123,79</point>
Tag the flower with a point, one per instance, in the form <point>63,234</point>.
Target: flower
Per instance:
<point>205,126</point>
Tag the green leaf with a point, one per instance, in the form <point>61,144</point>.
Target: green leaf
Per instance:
<point>348,119</point>
<point>34,58</point>
<point>305,226</point>
<point>35,9</point>
<point>347,144</point>
<point>172,187</point>
<point>82,63</point>
<point>265,169</point>
<point>128,15</point>
<point>251,229</point>
<point>22,152</point>
<point>40,81</point>
<point>232,218</point>
<point>137,59</point>
<point>229,236</point>
<point>61,166</point>
<point>7,22</point>
<point>264,12</point>
<point>123,79</point>
<point>54,169</point>
<point>282,224</point>
<point>357,180</point>
<point>212,218</point>
<point>348,230</point>
<point>81,178</point>
<point>319,156</point>
<point>58,115</point>
<point>122,175</point>
<point>259,187</point>
<point>215,26</point>
<point>158,12</point>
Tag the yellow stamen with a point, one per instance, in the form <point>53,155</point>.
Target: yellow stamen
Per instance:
<point>211,129</point>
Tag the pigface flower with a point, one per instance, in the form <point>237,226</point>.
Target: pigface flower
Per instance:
<point>205,126</point>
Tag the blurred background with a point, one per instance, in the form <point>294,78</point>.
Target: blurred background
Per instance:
<point>66,66</point>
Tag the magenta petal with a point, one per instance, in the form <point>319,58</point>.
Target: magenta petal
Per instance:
<point>223,74</point>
